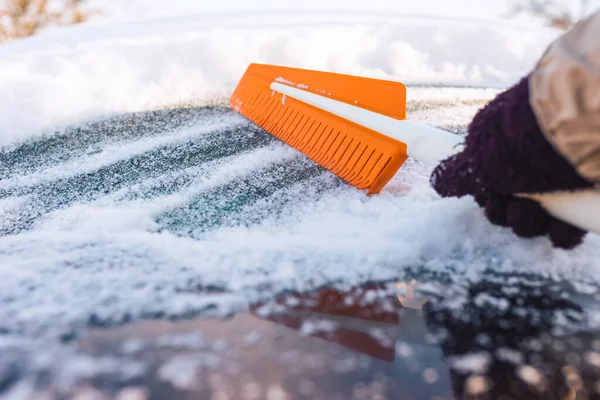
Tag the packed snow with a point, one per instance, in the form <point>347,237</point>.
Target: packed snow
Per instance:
<point>72,74</point>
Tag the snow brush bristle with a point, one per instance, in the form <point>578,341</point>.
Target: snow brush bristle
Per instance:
<point>362,157</point>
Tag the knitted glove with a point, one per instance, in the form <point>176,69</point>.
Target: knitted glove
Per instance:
<point>505,153</point>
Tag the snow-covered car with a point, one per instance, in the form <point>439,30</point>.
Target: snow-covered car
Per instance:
<point>154,244</point>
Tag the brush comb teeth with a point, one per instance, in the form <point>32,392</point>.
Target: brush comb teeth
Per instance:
<point>362,157</point>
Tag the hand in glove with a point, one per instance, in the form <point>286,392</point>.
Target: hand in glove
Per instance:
<point>506,153</point>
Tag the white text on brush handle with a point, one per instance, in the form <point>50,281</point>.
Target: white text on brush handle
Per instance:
<point>431,145</point>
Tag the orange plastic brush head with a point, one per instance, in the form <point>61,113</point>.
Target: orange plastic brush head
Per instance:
<point>364,158</point>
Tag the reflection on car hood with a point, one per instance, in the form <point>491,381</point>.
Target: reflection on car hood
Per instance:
<point>506,337</point>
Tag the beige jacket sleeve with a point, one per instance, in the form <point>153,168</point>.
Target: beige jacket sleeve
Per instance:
<point>565,96</point>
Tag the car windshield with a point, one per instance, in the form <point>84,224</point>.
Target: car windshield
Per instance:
<point>185,253</point>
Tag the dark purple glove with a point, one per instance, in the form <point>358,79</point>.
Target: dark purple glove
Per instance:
<point>505,153</point>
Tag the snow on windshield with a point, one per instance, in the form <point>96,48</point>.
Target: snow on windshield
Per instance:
<point>170,210</point>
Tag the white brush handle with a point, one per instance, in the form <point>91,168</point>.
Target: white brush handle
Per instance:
<point>424,143</point>
<point>431,145</point>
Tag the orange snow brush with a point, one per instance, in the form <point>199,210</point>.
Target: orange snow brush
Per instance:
<point>356,128</point>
